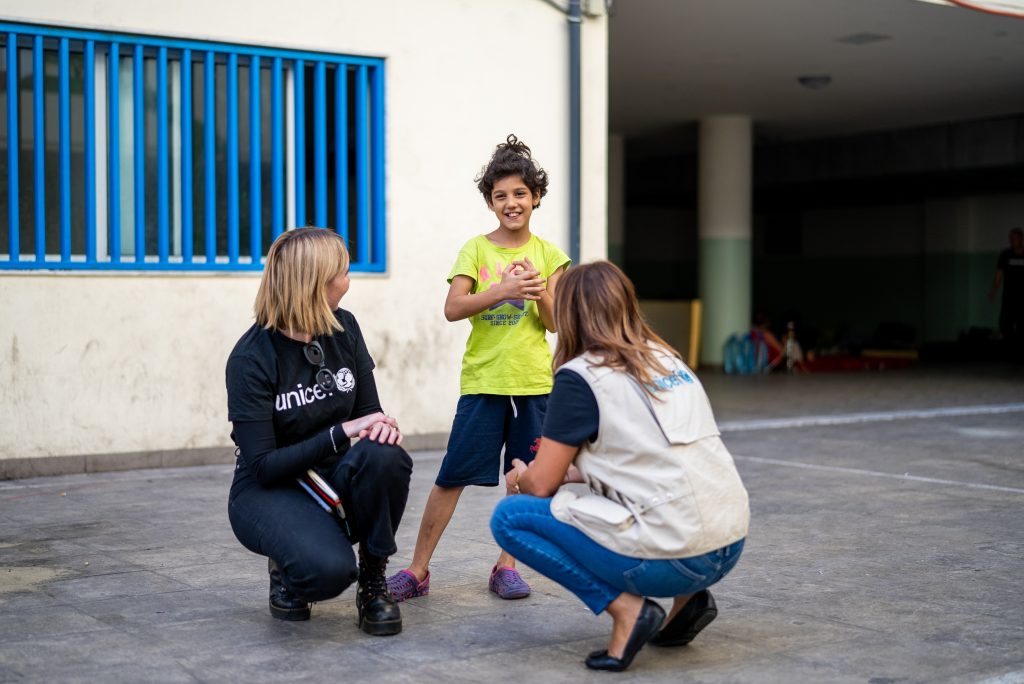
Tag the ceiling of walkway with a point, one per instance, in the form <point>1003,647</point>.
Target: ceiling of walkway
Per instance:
<point>891,64</point>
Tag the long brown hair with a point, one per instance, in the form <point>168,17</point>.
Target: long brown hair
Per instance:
<point>293,291</point>
<point>596,311</point>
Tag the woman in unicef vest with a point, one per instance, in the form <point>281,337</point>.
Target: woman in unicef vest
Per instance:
<point>666,514</point>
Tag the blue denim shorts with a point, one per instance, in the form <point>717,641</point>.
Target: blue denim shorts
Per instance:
<point>484,423</point>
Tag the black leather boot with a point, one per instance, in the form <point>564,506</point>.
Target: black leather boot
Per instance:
<point>378,612</point>
<point>284,605</point>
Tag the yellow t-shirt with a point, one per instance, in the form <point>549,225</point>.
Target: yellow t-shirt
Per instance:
<point>507,352</point>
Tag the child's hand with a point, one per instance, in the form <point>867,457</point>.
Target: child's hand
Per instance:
<point>526,264</point>
<point>520,280</point>
<point>512,476</point>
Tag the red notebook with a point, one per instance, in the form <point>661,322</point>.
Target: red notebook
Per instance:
<point>324,494</point>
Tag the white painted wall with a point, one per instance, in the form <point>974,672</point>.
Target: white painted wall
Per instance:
<point>131,362</point>
<point>594,136</point>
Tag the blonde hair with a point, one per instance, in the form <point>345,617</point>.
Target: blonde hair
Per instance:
<point>293,291</point>
<point>596,311</point>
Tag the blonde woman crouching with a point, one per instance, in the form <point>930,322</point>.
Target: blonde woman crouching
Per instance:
<point>300,386</point>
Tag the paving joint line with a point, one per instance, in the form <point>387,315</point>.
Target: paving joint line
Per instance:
<point>868,417</point>
<point>906,477</point>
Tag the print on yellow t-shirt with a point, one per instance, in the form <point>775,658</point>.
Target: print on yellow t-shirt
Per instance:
<point>507,352</point>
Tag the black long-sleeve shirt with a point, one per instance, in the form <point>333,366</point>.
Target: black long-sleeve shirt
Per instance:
<point>283,421</point>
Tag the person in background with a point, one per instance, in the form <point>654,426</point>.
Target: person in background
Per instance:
<point>1010,276</point>
<point>764,339</point>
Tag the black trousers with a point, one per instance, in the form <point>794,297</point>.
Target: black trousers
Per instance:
<point>315,555</point>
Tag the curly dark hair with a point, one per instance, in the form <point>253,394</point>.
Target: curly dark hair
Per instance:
<point>513,158</point>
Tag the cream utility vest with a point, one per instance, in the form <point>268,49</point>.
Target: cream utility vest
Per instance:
<point>664,485</point>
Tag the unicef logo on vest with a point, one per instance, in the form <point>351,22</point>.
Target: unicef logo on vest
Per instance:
<point>345,380</point>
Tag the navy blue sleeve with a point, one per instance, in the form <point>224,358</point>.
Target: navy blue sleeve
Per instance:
<point>572,415</point>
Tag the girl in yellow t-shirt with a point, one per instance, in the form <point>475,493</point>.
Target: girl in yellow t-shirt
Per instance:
<point>504,283</point>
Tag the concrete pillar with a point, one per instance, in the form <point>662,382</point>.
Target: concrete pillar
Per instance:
<point>724,229</point>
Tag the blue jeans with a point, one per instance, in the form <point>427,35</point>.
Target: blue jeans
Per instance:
<point>523,526</point>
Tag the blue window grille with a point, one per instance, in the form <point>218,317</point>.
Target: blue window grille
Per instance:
<point>125,152</point>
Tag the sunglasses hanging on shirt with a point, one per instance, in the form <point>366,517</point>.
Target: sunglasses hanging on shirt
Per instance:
<point>314,353</point>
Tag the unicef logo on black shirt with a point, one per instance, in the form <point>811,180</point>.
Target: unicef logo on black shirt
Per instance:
<point>345,380</point>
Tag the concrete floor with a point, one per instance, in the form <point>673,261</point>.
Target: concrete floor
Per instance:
<point>883,548</point>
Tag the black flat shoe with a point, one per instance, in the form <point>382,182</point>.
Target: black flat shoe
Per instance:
<point>284,605</point>
<point>647,625</point>
<point>697,614</point>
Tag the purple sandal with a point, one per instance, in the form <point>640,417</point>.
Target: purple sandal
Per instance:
<point>507,583</point>
<point>403,585</point>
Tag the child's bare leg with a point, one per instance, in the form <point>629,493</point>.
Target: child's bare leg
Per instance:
<point>436,515</point>
<point>504,559</point>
